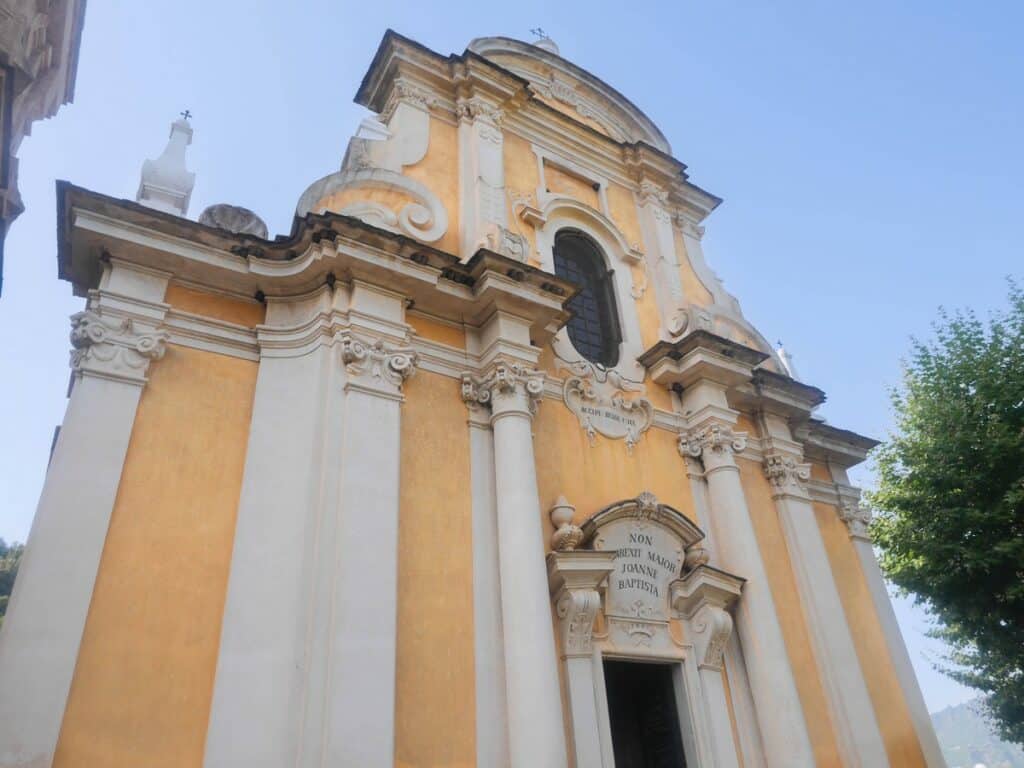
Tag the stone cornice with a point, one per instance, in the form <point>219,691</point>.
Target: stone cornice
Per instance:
<point>775,393</point>
<point>701,355</point>
<point>321,249</point>
<point>823,442</point>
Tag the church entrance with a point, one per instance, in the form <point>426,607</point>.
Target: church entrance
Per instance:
<point>643,715</point>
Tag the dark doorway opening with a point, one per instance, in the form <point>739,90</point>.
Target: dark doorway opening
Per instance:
<point>643,714</point>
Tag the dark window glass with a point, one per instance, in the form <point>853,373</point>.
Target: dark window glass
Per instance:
<point>594,327</point>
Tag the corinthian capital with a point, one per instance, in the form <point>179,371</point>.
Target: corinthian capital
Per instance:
<point>377,367</point>
<point>714,440</point>
<point>504,381</point>
<point>785,472</point>
<point>113,348</point>
<point>857,519</point>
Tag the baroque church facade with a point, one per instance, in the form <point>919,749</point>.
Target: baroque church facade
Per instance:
<point>480,465</point>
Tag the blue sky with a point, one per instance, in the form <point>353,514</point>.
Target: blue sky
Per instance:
<point>869,154</point>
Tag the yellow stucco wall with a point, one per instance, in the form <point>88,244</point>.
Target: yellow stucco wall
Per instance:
<point>521,178</point>
<point>561,182</point>
<point>434,718</point>
<point>438,170</point>
<point>594,476</point>
<point>438,330</point>
<point>694,290</point>
<point>247,313</point>
<point>142,685</point>
<point>872,652</point>
<point>787,605</point>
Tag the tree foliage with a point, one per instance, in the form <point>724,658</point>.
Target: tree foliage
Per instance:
<point>10,558</point>
<point>950,499</point>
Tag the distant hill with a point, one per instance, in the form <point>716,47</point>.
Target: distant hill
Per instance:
<point>967,740</point>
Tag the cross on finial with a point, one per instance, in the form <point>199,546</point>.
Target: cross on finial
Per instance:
<point>539,33</point>
<point>186,114</point>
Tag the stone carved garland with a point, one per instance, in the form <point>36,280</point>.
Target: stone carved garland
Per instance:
<point>111,346</point>
<point>598,398</point>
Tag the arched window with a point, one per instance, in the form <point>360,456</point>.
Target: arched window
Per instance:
<point>594,327</point>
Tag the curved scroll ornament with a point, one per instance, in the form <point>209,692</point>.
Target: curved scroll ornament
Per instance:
<point>600,401</point>
<point>378,361</point>
<point>718,624</point>
<point>425,218</point>
<point>113,347</point>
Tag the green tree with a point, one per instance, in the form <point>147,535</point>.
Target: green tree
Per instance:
<point>950,499</point>
<point>10,558</point>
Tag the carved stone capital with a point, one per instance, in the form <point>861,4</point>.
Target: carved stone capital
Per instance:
<point>377,367</point>
<point>786,473</point>
<point>113,348</point>
<point>505,386</point>
<point>476,108</point>
<point>408,93</point>
<point>857,519</point>
<point>714,444</point>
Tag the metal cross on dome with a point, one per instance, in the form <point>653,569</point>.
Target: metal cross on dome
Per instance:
<point>186,114</point>
<point>539,33</point>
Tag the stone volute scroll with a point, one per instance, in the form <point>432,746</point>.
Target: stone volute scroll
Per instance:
<point>377,367</point>
<point>113,347</point>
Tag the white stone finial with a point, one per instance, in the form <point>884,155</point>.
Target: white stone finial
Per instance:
<point>786,360</point>
<point>166,183</point>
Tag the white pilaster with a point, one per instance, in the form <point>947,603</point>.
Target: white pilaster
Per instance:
<point>779,712</point>
<point>536,734</point>
<point>360,716</point>
<point>317,537</point>
<point>853,715</point>
<point>662,260</point>
<point>114,342</point>
<point>857,519</point>
<point>489,662</point>
<point>483,203</point>
<point>280,543</point>
<point>702,598</point>
<point>574,578</point>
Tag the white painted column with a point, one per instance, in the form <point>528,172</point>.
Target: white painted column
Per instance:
<point>857,519</point>
<point>114,342</point>
<point>536,734</point>
<point>853,715</point>
<point>489,662</point>
<point>282,538</point>
<point>779,712</point>
<point>742,702</point>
